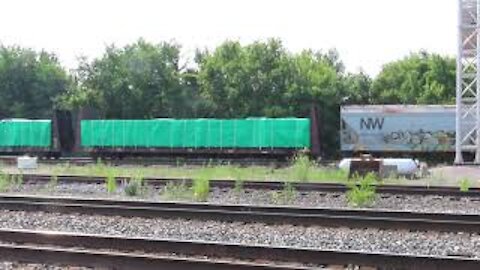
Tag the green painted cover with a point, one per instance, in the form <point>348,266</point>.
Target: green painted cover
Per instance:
<point>197,133</point>
<point>25,133</point>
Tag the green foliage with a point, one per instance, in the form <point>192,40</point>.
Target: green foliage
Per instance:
<point>111,182</point>
<point>327,174</point>
<point>177,191</point>
<point>10,182</point>
<point>140,80</point>
<point>421,78</point>
<point>465,185</point>
<point>357,89</point>
<point>4,182</point>
<point>29,82</point>
<point>201,186</point>
<point>362,192</point>
<point>286,196</point>
<point>237,81</point>
<point>135,186</point>
<point>302,167</point>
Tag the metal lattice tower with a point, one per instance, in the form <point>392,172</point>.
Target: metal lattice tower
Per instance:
<point>468,82</point>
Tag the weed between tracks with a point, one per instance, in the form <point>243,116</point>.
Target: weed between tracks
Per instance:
<point>301,169</point>
<point>9,183</point>
<point>177,191</point>
<point>111,182</point>
<point>135,186</point>
<point>285,196</point>
<point>465,185</point>
<point>362,191</point>
<point>201,186</point>
<point>199,191</point>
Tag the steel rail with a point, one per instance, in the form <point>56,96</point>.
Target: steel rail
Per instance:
<point>248,213</point>
<point>120,261</point>
<point>269,185</point>
<point>220,252</point>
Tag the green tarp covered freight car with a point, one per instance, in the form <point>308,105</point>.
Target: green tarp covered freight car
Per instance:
<point>197,133</point>
<point>25,133</point>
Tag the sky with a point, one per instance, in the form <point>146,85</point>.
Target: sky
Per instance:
<point>367,33</point>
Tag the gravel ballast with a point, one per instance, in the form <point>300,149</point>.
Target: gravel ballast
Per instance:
<point>32,266</point>
<point>415,203</point>
<point>367,240</point>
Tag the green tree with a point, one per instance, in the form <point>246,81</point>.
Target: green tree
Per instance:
<point>357,89</point>
<point>29,82</point>
<point>141,80</point>
<point>264,79</point>
<point>242,81</point>
<point>421,78</point>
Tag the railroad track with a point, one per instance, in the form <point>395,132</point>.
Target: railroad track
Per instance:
<point>140,253</point>
<point>248,213</point>
<point>270,185</point>
<point>147,161</point>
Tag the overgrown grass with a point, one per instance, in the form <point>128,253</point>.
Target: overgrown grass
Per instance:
<point>465,185</point>
<point>111,182</point>
<point>362,191</point>
<point>301,168</point>
<point>5,183</point>
<point>286,196</point>
<point>177,191</point>
<point>10,182</point>
<point>201,186</point>
<point>16,181</point>
<point>135,186</point>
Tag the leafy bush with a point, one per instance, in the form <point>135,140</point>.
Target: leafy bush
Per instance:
<point>363,193</point>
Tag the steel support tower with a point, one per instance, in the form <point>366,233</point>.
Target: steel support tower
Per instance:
<point>468,82</point>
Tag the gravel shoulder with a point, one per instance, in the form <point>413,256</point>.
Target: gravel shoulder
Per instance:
<point>33,266</point>
<point>415,203</point>
<point>365,240</point>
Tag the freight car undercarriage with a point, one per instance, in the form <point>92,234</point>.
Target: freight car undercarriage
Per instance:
<point>194,153</point>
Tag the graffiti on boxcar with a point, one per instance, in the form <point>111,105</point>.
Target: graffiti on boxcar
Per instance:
<point>422,139</point>
<point>372,123</point>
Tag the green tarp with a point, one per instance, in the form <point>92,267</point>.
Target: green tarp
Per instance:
<point>25,133</point>
<point>197,133</point>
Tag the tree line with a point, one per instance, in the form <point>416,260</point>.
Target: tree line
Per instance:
<point>146,80</point>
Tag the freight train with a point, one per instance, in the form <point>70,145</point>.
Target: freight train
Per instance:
<point>383,130</point>
<point>211,138</point>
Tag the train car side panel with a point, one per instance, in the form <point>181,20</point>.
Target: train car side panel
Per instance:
<point>252,135</point>
<point>398,128</point>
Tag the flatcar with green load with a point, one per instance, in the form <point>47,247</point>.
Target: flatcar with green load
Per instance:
<point>200,137</point>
